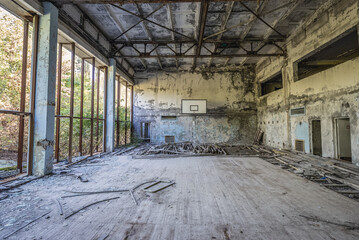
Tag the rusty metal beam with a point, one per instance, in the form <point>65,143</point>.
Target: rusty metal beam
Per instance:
<point>143,19</point>
<point>81,104</point>
<point>23,96</point>
<point>148,33</point>
<point>120,27</point>
<point>13,112</point>
<point>131,126</point>
<point>35,47</point>
<point>261,19</point>
<point>126,88</point>
<point>202,26</point>
<point>150,21</point>
<point>118,112</point>
<point>79,29</point>
<point>250,54</point>
<point>92,103</point>
<point>170,17</point>
<point>72,95</point>
<point>58,104</point>
<point>60,2</point>
<point>213,41</point>
<point>105,109</point>
<point>97,107</point>
<point>223,27</point>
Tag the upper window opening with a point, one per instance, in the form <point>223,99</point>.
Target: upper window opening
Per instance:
<point>342,49</point>
<point>272,84</point>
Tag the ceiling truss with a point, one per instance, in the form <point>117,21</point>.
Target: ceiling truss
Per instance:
<point>209,42</point>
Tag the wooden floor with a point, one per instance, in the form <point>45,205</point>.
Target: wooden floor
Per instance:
<point>222,197</point>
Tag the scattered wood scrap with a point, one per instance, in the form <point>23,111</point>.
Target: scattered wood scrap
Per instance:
<point>349,226</point>
<point>27,224</point>
<point>185,148</point>
<point>130,190</point>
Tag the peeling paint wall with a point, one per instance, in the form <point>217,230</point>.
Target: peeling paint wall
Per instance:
<point>231,107</point>
<point>330,94</point>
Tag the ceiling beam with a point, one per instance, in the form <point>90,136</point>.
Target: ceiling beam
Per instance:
<point>202,56</point>
<point>251,23</point>
<point>138,1</point>
<point>202,26</point>
<point>276,23</point>
<point>225,19</point>
<point>221,41</point>
<point>148,33</point>
<point>170,17</point>
<point>79,29</point>
<point>121,28</point>
<point>143,19</point>
<point>150,21</point>
<point>261,19</point>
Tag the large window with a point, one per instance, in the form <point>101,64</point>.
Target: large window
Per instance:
<point>15,64</point>
<point>338,51</point>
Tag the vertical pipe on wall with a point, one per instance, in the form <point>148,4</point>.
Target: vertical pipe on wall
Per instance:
<point>23,96</point>
<point>81,104</point>
<point>58,104</point>
<point>33,92</point>
<point>92,103</point>
<point>72,100</point>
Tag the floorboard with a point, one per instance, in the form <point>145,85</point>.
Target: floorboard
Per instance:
<point>215,197</point>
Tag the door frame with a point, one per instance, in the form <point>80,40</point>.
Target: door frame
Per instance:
<point>311,134</point>
<point>336,135</point>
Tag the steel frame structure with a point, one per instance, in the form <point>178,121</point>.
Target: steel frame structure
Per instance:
<point>94,118</point>
<point>22,113</point>
<point>94,129</point>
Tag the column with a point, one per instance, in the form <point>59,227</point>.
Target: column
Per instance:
<point>110,106</point>
<point>44,91</point>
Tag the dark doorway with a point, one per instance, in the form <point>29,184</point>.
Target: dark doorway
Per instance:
<point>317,137</point>
<point>343,139</point>
<point>145,130</point>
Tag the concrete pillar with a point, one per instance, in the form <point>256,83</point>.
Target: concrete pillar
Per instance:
<point>44,113</point>
<point>110,108</point>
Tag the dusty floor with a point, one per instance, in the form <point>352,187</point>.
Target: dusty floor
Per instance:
<point>215,197</point>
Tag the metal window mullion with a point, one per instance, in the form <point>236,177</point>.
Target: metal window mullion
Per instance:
<point>118,112</point>
<point>71,101</point>
<point>97,108</point>
<point>22,96</point>
<point>105,109</point>
<point>131,120</point>
<point>33,93</point>
<point>126,89</point>
<point>58,104</point>
<point>92,103</point>
<point>81,104</point>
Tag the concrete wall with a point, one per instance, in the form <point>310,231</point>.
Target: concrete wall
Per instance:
<point>231,108</point>
<point>327,95</point>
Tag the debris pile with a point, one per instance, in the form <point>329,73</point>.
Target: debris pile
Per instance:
<point>185,148</point>
<point>335,175</point>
